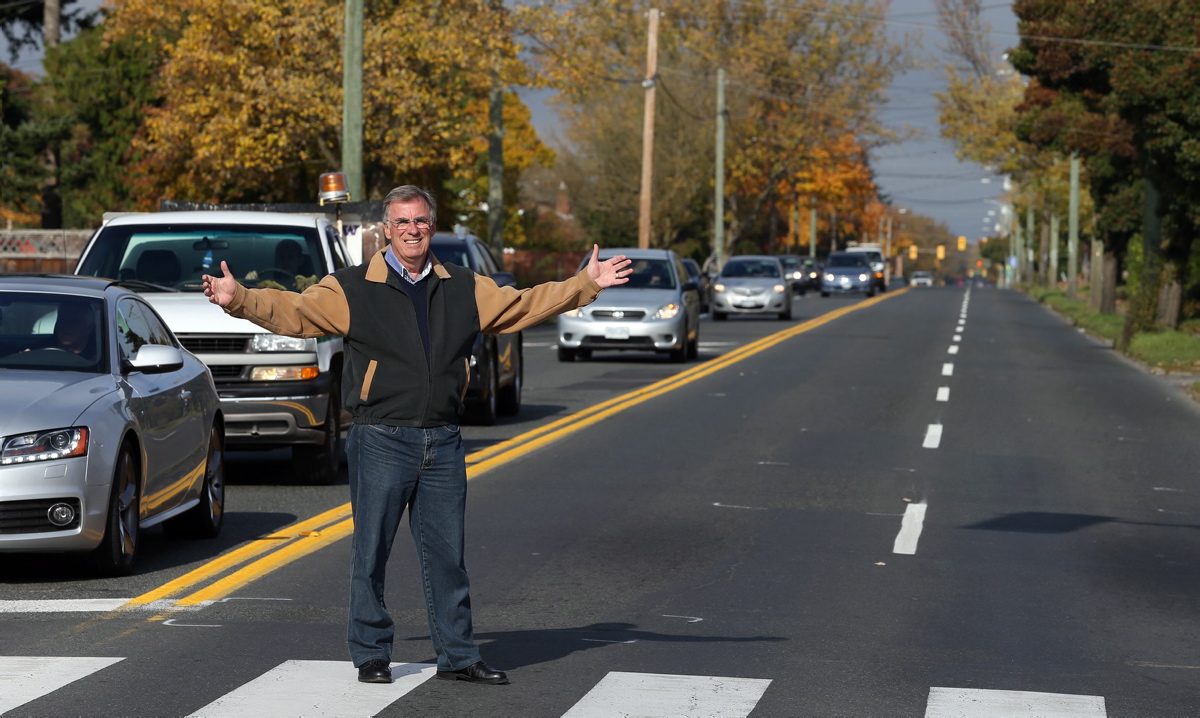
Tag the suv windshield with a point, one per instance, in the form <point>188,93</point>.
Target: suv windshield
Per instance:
<point>174,257</point>
<point>750,268</point>
<point>846,260</point>
<point>51,331</point>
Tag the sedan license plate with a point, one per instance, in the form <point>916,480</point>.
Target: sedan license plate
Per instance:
<point>749,304</point>
<point>616,332</point>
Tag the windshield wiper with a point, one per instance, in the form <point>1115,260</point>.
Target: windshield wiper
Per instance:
<point>139,285</point>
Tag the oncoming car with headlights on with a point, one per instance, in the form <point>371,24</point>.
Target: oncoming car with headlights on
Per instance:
<point>847,273</point>
<point>107,426</point>
<point>752,284</point>
<point>657,310</point>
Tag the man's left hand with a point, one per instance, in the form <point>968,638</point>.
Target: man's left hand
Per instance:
<point>609,272</point>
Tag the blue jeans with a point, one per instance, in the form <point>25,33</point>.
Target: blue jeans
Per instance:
<point>395,468</point>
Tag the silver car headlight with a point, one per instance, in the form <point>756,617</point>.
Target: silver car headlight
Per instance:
<point>44,445</point>
<point>779,289</point>
<point>669,311</point>
<point>862,277</point>
<point>277,343</point>
<point>830,278</point>
<point>718,287</point>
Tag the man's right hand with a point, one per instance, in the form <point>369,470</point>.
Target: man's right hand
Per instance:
<point>219,290</point>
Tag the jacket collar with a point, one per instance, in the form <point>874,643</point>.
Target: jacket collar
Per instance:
<point>377,269</point>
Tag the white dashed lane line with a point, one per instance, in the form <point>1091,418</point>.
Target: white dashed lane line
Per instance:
<point>933,436</point>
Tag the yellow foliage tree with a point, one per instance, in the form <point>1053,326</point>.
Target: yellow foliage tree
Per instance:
<point>252,95</point>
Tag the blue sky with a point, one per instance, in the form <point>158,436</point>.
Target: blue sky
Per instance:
<point>921,174</point>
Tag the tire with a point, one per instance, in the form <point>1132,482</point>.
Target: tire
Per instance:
<point>824,294</point>
<point>484,413</point>
<point>565,354</point>
<point>117,551</point>
<point>320,464</point>
<point>510,396</point>
<point>680,355</point>
<point>787,314</point>
<point>719,316</point>
<point>205,519</point>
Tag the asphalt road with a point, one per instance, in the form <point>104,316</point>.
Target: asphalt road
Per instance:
<point>943,503</point>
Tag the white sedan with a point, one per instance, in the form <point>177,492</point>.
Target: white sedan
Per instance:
<point>920,279</point>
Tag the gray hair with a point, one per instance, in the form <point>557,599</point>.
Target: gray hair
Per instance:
<point>408,193</point>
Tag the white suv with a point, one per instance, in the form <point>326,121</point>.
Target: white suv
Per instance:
<point>275,390</point>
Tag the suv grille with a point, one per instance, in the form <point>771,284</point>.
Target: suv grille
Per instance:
<point>29,517</point>
<point>200,343</point>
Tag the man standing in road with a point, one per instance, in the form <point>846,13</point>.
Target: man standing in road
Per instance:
<point>409,323</point>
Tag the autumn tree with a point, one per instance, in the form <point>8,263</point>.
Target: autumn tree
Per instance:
<point>801,77</point>
<point>22,141</point>
<point>250,97</point>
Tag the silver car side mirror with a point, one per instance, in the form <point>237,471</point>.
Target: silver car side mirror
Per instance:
<point>155,358</point>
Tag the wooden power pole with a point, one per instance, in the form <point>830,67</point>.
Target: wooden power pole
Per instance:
<point>648,132</point>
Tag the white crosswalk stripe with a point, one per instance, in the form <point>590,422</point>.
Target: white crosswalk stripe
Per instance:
<point>298,689</point>
<point>25,678</point>
<point>653,694</point>
<point>978,703</point>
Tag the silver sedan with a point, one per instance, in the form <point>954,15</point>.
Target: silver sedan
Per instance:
<point>107,426</point>
<point>752,284</point>
<point>657,310</point>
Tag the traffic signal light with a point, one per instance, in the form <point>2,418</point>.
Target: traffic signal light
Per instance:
<point>912,252</point>
<point>962,243</point>
<point>941,251</point>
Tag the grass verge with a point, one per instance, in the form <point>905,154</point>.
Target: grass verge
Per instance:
<point>1168,350</point>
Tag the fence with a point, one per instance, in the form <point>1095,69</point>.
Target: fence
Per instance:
<point>41,251</point>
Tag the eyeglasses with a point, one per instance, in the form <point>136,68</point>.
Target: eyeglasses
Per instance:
<point>421,223</point>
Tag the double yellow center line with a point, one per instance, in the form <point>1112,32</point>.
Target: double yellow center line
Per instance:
<point>305,537</point>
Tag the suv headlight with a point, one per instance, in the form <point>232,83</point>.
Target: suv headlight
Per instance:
<point>669,311</point>
<point>283,373</point>
<point>862,277</point>
<point>44,445</point>
<point>278,343</point>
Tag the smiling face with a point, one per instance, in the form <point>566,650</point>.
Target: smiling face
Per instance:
<point>410,244</point>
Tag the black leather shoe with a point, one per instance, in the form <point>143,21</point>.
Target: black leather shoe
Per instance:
<point>475,673</point>
<point>375,670</point>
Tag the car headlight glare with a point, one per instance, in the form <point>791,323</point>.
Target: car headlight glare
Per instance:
<point>813,275</point>
<point>830,277</point>
<point>779,289</point>
<point>719,287</point>
<point>669,311</point>
<point>283,373</point>
<point>862,277</point>
<point>44,446</point>
<point>278,343</point>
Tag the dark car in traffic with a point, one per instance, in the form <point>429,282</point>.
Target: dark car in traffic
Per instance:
<point>497,360</point>
<point>702,280</point>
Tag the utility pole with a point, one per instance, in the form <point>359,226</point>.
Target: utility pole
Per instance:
<point>812,226</point>
<point>1073,229</point>
<point>719,197</point>
<point>352,100</point>
<point>648,131</point>
<point>1052,267</point>
<point>1026,268</point>
<point>496,150</point>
